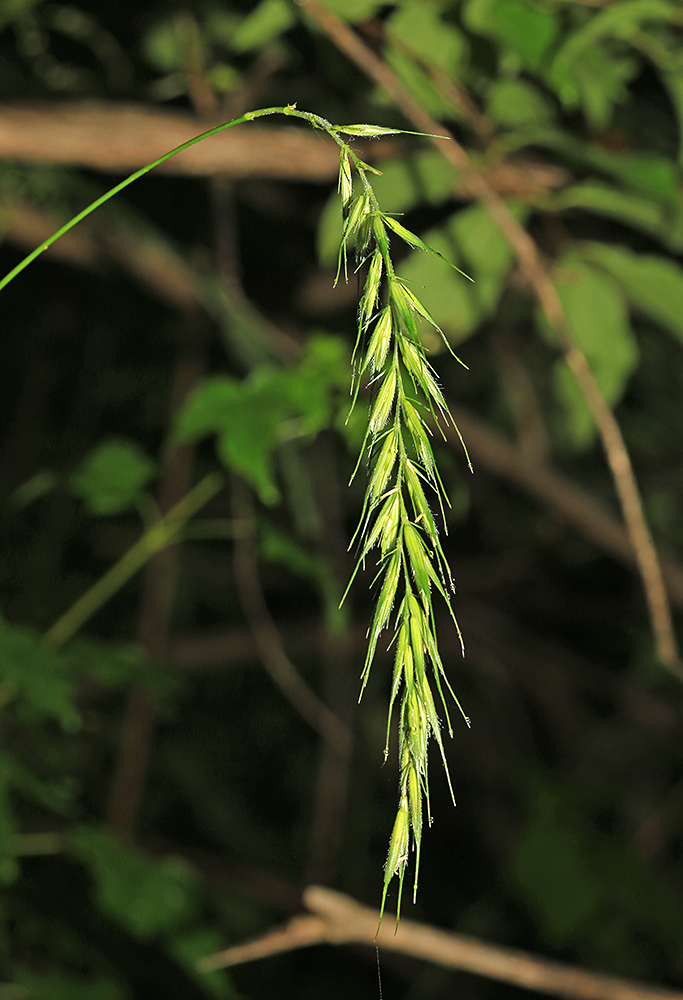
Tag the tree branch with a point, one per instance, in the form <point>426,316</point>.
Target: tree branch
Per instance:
<point>119,137</point>
<point>266,637</point>
<point>339,919</point>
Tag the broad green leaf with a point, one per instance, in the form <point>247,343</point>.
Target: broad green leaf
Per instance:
<point>630,209</point>
<point>223,77</point>
<point>353,10</point>
<point>485,252</point>
<point>162,47</point>
<point>253,416</point>
<point>597,81</point>
<point>621,20</point>
<point>145,896</point>
<point>189,947</point>
<point>247,442</point>
<point>647,173</point>
<point>653,285</point>
<point>473,241</point>
<point>36,681</point>
<point>597,317</point>
<point>451,300</point>
<point>419,29</point>
<point>525,26</point>
<point>220,25</point>
<point>404,183</point>
<point>313,388</point>
<point>417,81</point>
<point>588,70</point>
<point>515,102</point>
<point>268,21</point>
<point>112,477</point>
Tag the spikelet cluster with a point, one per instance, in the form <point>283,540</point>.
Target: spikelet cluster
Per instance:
<point>396,519</point>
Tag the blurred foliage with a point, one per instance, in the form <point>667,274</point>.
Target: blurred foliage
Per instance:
<point>568,835</point>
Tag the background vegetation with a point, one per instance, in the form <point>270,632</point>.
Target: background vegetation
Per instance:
<point>170,773</point>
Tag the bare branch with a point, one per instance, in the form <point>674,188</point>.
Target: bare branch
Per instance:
<point>120,137</point>
<point>267,639</point>
<point>339,919</point>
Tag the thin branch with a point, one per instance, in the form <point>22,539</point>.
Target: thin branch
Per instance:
<point>588,515</point>
<point>266,637</point>
<point>118,137</point>
<point>339,919</point>
<point>538,278</point>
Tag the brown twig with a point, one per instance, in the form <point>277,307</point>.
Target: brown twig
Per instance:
<point>339,919</point>
<point>267,639</point>
<point>539,280</point>
<point>119,137</point>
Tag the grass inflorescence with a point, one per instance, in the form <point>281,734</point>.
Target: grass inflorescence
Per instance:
<point>396,518</point>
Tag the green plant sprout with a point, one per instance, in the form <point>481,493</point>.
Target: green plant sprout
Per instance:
<point>396,517</point>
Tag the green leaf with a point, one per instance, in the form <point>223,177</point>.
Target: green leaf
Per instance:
<point>189,947</point>
<point>450,300</point>
<point>621,20</point>
<point>512,103</point>
<point>162,47</point>
<point>403,184</point>
<point>252,417</point>
<point>630,209</point>
<point>209,407</point>
<point>314,387</point>
<point>267,22</point>
<point>353,10</point>
<point>588,70</point>
<point>417,81</point>
<point>597,317</point>
<point>145,896</point>
<point>653,285</point>
<point>36,680</point>
<point>647,173</point>
<point>526,27</point>
<point>420,29</point>
<point>473,240</point>
<point>597,82</point>
<point>112,477</point>
<point>246,444</point>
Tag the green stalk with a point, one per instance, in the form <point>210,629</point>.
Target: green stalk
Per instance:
<point>162,534</point>
<point>249,116</point>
